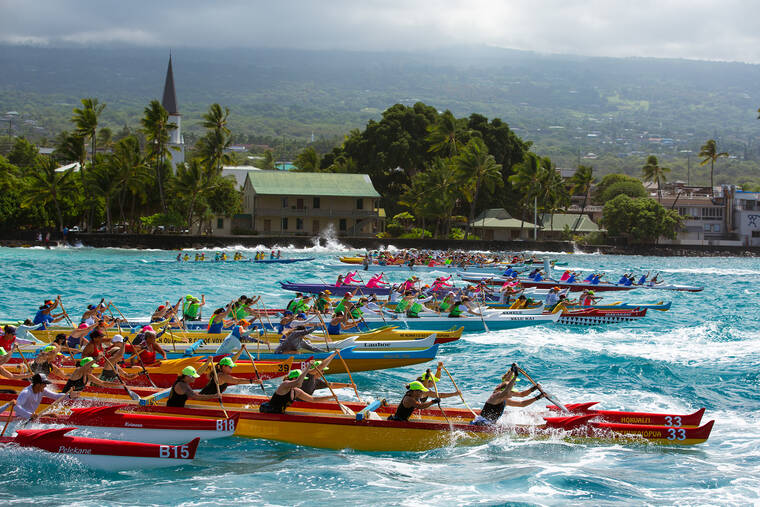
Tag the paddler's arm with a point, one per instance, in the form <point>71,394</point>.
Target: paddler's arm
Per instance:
<point>302,396</point>
<point>158,348</point>
<point>229,379</point>
<point>521,394</point>
<point>102,383</point>
<point>237,355</point>
<point>524,403</point>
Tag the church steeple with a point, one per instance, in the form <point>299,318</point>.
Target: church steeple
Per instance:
<point>170,95</point>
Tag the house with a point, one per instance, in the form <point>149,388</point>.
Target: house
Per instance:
<point>554,225</point>
<point>497,224</point>
<point>304,204</point>
<point>747,217</point>
<point>707,214</point>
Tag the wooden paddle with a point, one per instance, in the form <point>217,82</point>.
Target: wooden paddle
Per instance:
<point>65,313</point>
<point>460,392</point>
<point>343,408</point>
<point>541,390</point>
<point>216,383</point>
<point>438,397</point>
<point>327,334</point>
<point>266,314</point>
<point>142,365</point>
<point>15,345</point>
<point>255,370</point>
<point>131,394</point>
<point>353,384</point>
<point>9,406</point>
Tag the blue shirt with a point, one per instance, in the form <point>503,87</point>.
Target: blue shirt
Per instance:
<point>43,318</point>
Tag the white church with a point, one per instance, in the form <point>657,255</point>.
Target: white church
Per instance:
<point>176,141</point>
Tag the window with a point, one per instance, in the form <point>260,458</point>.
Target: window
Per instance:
<point>315,203</point>
<point>756,234</point>
<point>299,224</point>
<point>284,202</point>
<point>342,225</point>
<point>712,213</point>
<point>707,227</point>
<point>716,227</point>
<point>360,204</point>
<point>220,223</point>
<point>284,224</point>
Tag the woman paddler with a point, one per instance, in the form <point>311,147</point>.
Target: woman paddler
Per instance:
<point>147,350</point>
<point>115,354</point>
<point>429,380</point>
<point>412,400</point>
<point>501,397</point>
<point>181,390</point>
<point>339,323</point>
<point>4,356</point>
<point>83,376</point>
<point>314,380</point>
<point>289,391</point>
<point>224,374</point>
<point>45,362</point>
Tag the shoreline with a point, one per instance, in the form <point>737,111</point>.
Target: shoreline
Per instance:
<point>178,242</point>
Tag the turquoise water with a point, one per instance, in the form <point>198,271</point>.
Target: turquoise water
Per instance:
<point>704,352</point>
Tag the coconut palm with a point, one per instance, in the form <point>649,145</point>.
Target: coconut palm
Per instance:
<point>70,147</point>
<point>442,135</point>
<point>132,173</point>
<point>157,127</point>
<point>46,185</point>
<point>103,180</point>
<point>478,170</point>
<point>709,150</point>
<point>191,181</point>
<point>308,160</point>
<point>527,178</point>
<point>85,120</point>
<point>580,184</point>
<point>553,195</point>
<point>656,174</point>
<point>217,139</point>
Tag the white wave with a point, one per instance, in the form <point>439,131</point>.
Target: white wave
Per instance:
<point>712,271</point>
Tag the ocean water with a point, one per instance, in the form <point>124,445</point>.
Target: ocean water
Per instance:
<point>705,352</point>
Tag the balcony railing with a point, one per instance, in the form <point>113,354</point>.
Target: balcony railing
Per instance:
<point>314,212</point>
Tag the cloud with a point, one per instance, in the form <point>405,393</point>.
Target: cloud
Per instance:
<point>704,29</point>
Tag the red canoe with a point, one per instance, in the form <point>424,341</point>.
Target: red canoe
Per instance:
<point>107,422</point>
<point>647,418</point>
<point>105,454</point>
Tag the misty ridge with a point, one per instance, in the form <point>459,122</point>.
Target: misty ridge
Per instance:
<point>567,105</point>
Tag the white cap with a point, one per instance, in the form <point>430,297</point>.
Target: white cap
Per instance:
<point>117,338</point>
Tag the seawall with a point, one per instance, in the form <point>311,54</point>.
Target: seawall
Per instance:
<point>177,242</point>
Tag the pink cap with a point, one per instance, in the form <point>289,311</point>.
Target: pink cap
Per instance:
<point>83,326</point>
<point>147,328</point>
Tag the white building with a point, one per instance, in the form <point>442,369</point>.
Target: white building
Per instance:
<point>169,101</point>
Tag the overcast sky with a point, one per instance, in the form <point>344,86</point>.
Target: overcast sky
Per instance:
<point>703,29</point>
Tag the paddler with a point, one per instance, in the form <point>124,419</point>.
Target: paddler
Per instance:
<point>45,315</point>
<point>4,356</point>
<point>191,308</point>
<point>181,390</point>
<point>224,374</point>
<point>411,401</point>
<point>8,337</point>
<point>29,398</point>
<point>323,303</point>
<point>216,321</point>
<point>289,391</point>
<point>94,348</point>
<point>429,380</point>
<point>520,303</point>
<point>293,340</point>
<point>338,323</point>
<point>147,350</point>
<point>552,297</point>
<point>115,355</point>
<point>45,362</point>
<point>83,376</point>
<point>314,380</point>
<point>500,398</point>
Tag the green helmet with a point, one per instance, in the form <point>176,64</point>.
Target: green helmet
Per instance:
<point>190,372</point>
<point>227,361</point>
<point>417,386</point>
<point>3,352</point>
<point>294,374</point>
<point>317,363</point>
<point>86,361</point>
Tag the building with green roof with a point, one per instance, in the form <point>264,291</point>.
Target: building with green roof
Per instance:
<point>297,203</point>
<point>497,224</point>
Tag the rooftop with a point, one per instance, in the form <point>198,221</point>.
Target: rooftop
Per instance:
<point>558,221</point>
<point>498,218</point>
<point>320,184</point>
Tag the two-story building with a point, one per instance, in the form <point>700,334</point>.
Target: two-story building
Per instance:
<point>296,203</point>
<point>707,214</point>
<point>747,216</point>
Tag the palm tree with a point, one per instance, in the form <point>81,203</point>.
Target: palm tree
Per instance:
<point>191,181</point>
<point>581,183</point>
<point>46,185</point>
<point>308,160</point>
<point>131,172</point>
<point>156,127</point>
<point>477,169</point>
<point>527,178</point>
<point>709,150</point>
<point>553,195</point>
<point>70,148</point>
<point>268,162</point>
<point>103,180</point>
<point>442,135</point>
<point>656,174</point>
<point>85,120</point>
<point>218,138</point>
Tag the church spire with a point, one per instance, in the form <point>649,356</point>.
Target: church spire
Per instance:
<point>170,96</point>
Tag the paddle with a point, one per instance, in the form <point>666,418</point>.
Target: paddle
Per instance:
<point>216,383</point>
<point>266,314</point>
<point>327,334</point>
<point>65,312</point>
<point>437,396</point>
<point>10,415</point>
<point>480,311</point>
<point>353,384</point>
<point>142,365</point>
<point>15,346</point>
<point>343,408</point>
<point>47,410</point>
<point>131,394</point>
<point>255,370</point>
<point>541,390</point>
<point>460,392</point>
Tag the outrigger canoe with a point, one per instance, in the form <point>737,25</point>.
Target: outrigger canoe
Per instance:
<point>323,425</point>
<point>178,337</point>
<point>471,323</point>
<point>111,422</point>
<point>618,305</point>
<point>104,454</point>
<point>573,287</point>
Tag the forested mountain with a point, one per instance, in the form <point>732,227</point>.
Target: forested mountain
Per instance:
<point>614,111</point>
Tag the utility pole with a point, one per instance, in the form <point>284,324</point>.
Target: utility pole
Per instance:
<point>535,217</point>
